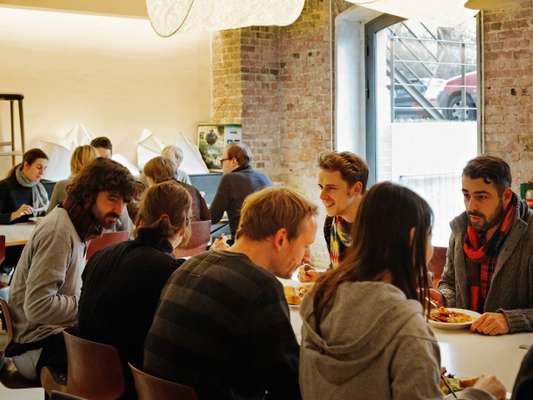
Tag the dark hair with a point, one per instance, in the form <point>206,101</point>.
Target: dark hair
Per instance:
<point>29,157</point>
<point>101,175</point>
<point>166,208</point>
<point>102,142</point>
<point>381,234</point>
<point>352,167</point>
<point>491,169</point>
<point>240,152</point>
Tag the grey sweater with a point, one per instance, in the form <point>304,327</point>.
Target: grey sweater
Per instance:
<point>511,287</point>
<point>43,298</point>
<point>373,344</point>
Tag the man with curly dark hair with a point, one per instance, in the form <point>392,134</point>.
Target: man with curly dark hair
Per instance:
<point>44,294</point>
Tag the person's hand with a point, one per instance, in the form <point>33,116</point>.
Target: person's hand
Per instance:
<point>307,273</point>
<point>492,385</point>
<point>220,243</point>
<point>436,298</point>
<point>491,324</point>
<point>23,210</point>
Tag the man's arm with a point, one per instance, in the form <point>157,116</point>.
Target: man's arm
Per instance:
<point>447,281</point>
<point>274,349</point>
<point>43,303</point>
<point>221,201</point>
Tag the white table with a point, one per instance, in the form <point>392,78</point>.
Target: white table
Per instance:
<point>17,234</point>
<point>466,354</point>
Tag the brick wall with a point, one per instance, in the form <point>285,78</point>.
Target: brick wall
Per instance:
<point>278,82</point>
<point>508,51</point>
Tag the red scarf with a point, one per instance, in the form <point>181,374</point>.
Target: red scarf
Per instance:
<point>482,254</point>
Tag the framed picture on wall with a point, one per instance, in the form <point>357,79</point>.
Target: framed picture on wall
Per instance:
<point>213,138</point>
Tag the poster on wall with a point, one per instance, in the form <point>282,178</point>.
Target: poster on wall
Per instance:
<point>212,139</point>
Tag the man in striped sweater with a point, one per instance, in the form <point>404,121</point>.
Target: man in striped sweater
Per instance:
<point>223,324</point>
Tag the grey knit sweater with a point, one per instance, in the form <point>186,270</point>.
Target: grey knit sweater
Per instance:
<point>43,298</point>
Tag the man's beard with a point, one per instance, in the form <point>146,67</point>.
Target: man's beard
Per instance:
<point>486,224</point>
<point>107,222</point>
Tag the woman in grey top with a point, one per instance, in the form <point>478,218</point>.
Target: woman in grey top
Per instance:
<point>365,334</point>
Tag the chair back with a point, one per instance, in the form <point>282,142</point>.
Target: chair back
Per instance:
<point>104,240</point>
<point>436,264</point>
<point>2,248</point>
<point>200,237</point>
<point>150,387</point>
<point>94,369</point>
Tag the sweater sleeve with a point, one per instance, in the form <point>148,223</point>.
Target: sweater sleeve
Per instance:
<point>221,201</point>
<point>447,282</point>
<point>43,303</point>
<point>415,372</point>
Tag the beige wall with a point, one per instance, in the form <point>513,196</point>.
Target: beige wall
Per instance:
<point>114,75</point>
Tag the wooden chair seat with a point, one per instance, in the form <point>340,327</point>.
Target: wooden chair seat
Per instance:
<point>149,387</point>
<point>200,237</point>
<point>106,239</point>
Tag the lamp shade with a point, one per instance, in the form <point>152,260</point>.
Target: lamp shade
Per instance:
<point>170,16</point>
<point>489,4</point>
<point>447,13</point>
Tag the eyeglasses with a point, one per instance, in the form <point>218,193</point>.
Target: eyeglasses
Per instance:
<point>224,159</point>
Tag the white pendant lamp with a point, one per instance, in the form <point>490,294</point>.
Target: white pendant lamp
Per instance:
<point>170,16</point>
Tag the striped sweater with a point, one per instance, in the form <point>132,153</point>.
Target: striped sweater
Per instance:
<point>223,327</point>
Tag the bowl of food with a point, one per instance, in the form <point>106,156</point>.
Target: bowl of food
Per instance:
<point>295,293</point>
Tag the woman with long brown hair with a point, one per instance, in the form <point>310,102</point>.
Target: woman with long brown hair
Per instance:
<point>365,334</point>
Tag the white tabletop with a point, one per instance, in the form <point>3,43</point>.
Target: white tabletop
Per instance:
<point>466,354</point>
<point>17,234</point>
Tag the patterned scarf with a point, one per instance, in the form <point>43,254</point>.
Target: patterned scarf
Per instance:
<point>39,194</point>
<point>339,240</point>
<point>482,254</point>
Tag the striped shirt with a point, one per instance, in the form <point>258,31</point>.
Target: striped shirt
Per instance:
<point>223,327</point>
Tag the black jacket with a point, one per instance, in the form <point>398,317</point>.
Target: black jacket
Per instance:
<point>120,292</point>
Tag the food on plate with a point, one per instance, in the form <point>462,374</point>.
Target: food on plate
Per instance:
<point>295,294</point>
<point>443,314</point>
<point>449,381</point>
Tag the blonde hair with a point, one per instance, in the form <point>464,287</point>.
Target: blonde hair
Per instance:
<point>271,209</point>
<point>81,156</point>
<point>166,208</point>
<point>160,169</point>
<point>173,153</point>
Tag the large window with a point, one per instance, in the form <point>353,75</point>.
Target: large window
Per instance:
<point>422,109</point>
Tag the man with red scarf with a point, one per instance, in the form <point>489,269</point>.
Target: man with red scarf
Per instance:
<point>489,263</point>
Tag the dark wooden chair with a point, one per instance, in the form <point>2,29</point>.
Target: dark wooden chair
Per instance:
<point>200,236</point>
<point>9,375</point>
<point>149,387</point>
<point>2,249</point>
<point>55,395</point>
<point>94,369</point>
<point>436,264</point>
<point>104,240</point>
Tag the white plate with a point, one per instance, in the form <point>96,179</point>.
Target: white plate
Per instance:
<point>456,325</point>
<point>36,219</point>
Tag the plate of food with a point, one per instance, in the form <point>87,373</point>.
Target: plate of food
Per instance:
<point>452,318</point>
<point>36,219</point>
<point>295,293</point>
<point>449,382</point>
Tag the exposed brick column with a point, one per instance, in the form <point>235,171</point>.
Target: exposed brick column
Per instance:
<point>508,87</point>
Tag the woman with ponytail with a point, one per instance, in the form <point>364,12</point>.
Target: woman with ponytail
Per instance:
<point>22,194</point>
<point>122,283</point>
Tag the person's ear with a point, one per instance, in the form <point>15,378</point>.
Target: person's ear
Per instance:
<point>507,196</point>
<point>357,188</point>
<point>279,238</point>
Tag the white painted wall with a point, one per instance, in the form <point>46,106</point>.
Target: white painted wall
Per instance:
<point>112,74</point>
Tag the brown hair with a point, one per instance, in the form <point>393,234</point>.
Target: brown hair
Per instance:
<point>166,208</point>
<point>173,153</point>
<point>271,209</point>
<point>352,168</point>
<point>160,169</point>
<point>28,157</point>
<point>240,152</point>
<point>383,245</point>
<point>102,142</point>
<point>81,156</point>
<point>491,169</point>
